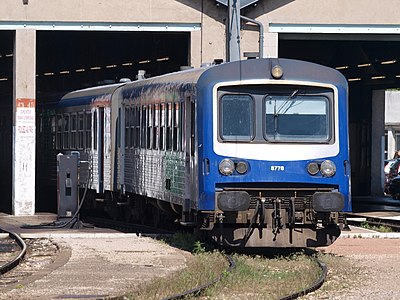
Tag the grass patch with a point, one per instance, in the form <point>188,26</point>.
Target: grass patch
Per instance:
<point>202,269</point>
<point>257,277</point>
<point>380,228</point>
<point>254,277</point>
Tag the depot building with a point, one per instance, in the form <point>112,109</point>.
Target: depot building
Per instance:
<point>49,48</point>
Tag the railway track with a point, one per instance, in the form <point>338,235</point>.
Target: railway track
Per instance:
<point>195,291</point>
<point>198,290</point>
<point>313,287</point>
<point>12,250</point>
<point>355,220</point>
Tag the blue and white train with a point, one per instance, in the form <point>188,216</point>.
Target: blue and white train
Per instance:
<point>254,153</point>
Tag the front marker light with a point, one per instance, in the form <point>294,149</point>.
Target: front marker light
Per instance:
<point>226,167</point>
<point>313,168</point>
<point>328,168</point>
<point>242,167</point>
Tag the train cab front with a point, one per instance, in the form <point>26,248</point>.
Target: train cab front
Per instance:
<point>277,169</point>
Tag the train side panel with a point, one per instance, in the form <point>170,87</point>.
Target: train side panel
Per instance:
<point>158,162</point>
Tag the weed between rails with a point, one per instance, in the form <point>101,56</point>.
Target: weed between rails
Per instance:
<point>254,277</point>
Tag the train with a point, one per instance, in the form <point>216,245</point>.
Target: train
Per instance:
<point>251,153</point>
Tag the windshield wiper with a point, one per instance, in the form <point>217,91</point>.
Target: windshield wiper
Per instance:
<point>278,112</point>
<point>295,92</point>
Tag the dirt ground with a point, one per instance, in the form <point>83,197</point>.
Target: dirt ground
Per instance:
<point>96,268</point>
<point>377,262</point>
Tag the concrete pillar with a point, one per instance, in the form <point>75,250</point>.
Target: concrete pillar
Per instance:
<point>196,50</point>
<point>377,142</point>
<point>270,44</point>
<point>24,138</point>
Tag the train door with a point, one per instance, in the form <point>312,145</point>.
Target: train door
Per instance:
<point>100,148</point>
<point>191,164</point>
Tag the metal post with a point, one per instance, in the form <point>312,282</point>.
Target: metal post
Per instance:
<point>261,35</point>
<point>233,31</point>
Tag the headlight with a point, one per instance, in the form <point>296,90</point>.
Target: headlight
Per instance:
<point>328,168</point>
<point>313,168</point>
<point>226,167</point>
<point>277,71</point>
<point>242,167</point>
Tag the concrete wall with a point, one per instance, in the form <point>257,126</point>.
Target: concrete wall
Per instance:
<point>210,42</point>
<point>270,11</point>
<point>328,12</point>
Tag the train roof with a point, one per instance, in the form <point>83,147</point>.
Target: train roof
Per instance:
<point>294,70</point>
<point>88,95</point>
<point>254,69</point>
<point>155,87</point>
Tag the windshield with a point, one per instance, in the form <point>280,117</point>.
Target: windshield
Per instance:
<point>297,118</point>
<point>237,117</point>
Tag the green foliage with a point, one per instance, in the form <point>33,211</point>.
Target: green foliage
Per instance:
<point>380,228</point>
<point>365,225</point>
<point>199,248</point>
<point>254,277</point>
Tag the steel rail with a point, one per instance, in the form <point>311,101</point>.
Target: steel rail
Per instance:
<point>196,291</point>
<point>392,224</point>
<point>16,260</point>
<point>315,286</point>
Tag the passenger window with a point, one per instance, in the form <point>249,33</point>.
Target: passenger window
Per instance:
<point>73,131</point>
<point>127,127</point>
<point>88,127</point>
<point>66,132</point>
<point>59,129</point>
<point>53,131</point>
<point>162,125</point>
<point>136,126</point>
<point>149,126</point>
<point>236,115</point>
<point>176,123</point>
<point>169,126</point>
<point>156,134</point>
<point>95,130</point>
<point>80,130</point>
<point>143,128</point>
